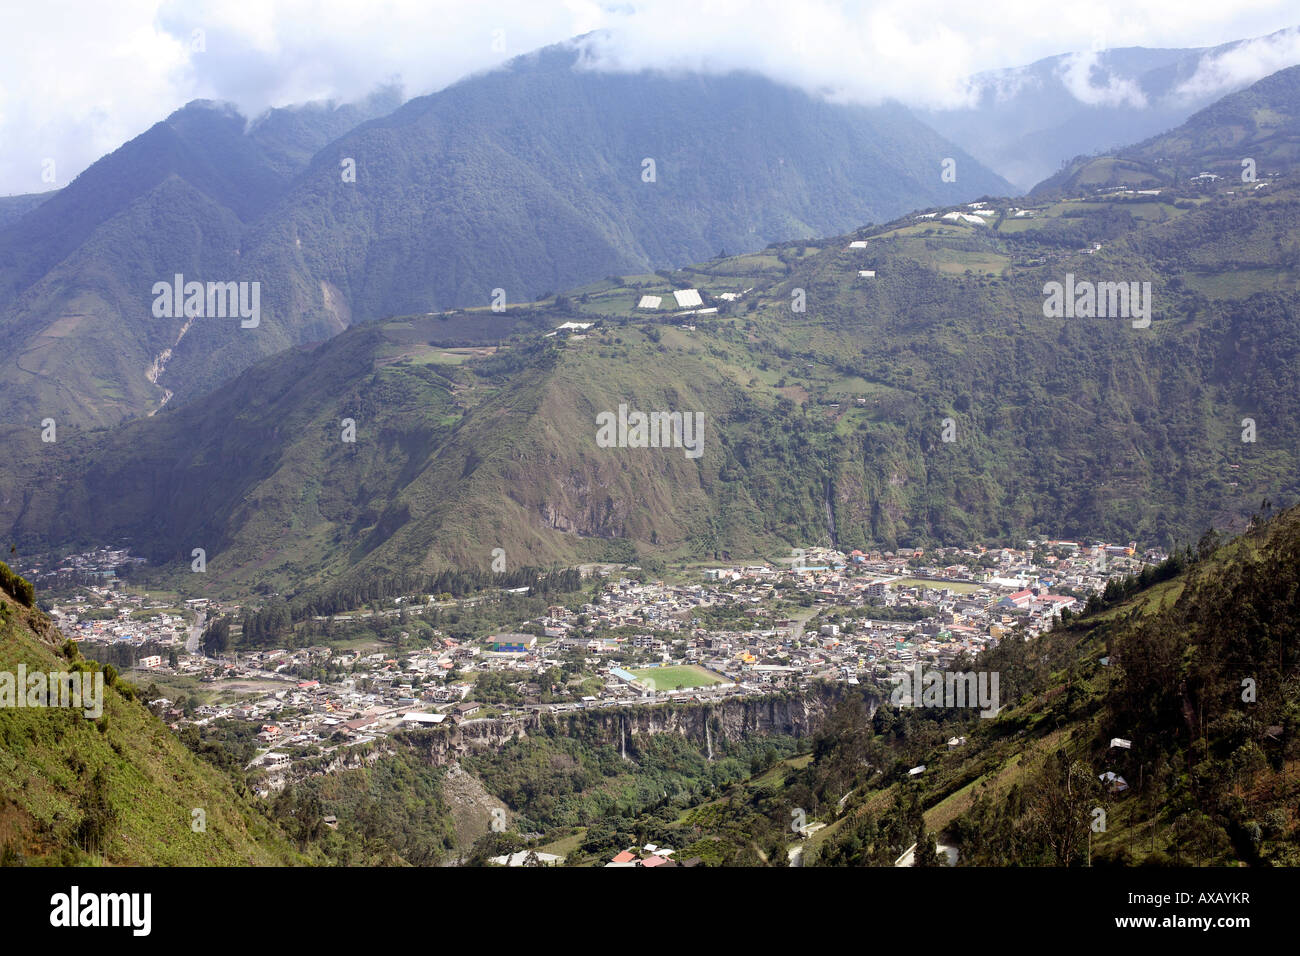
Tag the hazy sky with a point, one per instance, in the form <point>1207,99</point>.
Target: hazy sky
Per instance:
<point>78,78</point>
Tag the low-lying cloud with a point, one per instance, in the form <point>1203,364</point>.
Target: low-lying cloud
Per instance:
<point>78,79</point>
<point>1243,64</point>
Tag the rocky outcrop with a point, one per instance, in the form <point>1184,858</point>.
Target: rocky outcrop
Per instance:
<point>706,724</point>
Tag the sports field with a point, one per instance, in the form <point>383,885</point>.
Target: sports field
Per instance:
<point>960,587</point>
<point>671,678</point>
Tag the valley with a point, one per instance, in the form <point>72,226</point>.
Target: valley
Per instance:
<point>721,657</point>
<point>607,459</point>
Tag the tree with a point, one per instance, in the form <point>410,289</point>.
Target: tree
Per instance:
<point>927,849</point>
<point>1060,799</point>
<point>216,638</point>
<point>98,817</point>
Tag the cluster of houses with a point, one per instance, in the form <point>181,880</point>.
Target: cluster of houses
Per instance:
<point>100,565</point>
<point>107,614</point>
<point>650,856</point>
<point>825,614</point>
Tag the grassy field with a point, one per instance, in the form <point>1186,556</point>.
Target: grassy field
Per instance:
<point>565,845</point>
<point>961,587</point>
<point>670,678</point>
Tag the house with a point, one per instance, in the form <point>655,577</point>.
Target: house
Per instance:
<point>466,709</point>
<point>513,643</point>
<point>1020,599</point>
<point>428,720</point>
<point>361,723</point>
<point>624,858</point>
<point>1113,781</point>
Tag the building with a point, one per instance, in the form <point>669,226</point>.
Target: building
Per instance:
<point>427,720</point>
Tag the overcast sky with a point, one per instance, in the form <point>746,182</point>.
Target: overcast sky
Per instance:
<point>79,77</point>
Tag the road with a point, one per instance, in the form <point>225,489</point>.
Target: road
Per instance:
<point>196,632</point>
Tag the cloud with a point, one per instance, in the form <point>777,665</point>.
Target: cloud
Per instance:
<point>79,78</point>
<point>1077,75</point>
<point>1242,65</point>
<point>67,99</point>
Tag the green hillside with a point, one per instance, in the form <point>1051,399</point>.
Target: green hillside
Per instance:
<point>119,790</point>
<point>1260,123</point>
<point>15,207</point>
<point>528,179</point>
<point>80,341</point>
<point>478,430</point>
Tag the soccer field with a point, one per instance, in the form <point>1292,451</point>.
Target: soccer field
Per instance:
<point>960,587</point>
<point>670,678</point>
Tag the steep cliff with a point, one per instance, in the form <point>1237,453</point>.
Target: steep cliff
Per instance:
<point>705,724</point>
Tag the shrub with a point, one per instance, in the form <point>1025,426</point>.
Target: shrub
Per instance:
<point>19,587</point>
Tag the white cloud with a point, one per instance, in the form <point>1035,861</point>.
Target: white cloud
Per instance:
<point>78,77</point>
<point>1244,64</point>
<point>1079,73</point>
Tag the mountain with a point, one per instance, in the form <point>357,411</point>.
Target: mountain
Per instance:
<point>1260,124</point>
<point>116,788</point>
<point>15,207</point>
<point>532,178</point>
<point>290,136</point>
<point>207,145</point>
<point>80,340</point>
<point>1181,682</point>
<point>202,145</point>
<point>1025,122</point>
<point>478,430</point>
<point>526,179</point>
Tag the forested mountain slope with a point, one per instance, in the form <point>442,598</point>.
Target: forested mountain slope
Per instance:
<point>528,179</point>
<point>478,430</point>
